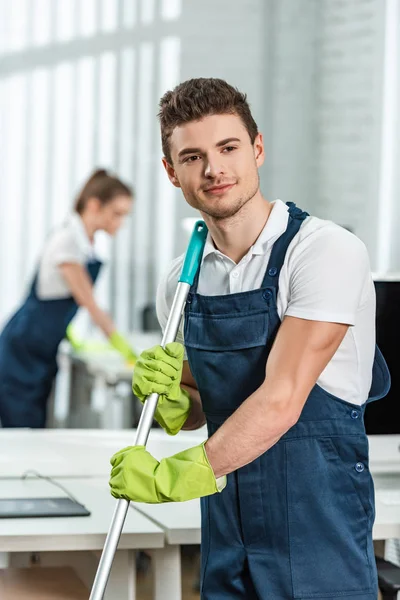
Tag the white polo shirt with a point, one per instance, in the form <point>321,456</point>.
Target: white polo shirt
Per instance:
<point>66,244</point>
<point>325,277</point>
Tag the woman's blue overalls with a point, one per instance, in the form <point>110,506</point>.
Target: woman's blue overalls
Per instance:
<point>296,522</point>
<point>28,355</point>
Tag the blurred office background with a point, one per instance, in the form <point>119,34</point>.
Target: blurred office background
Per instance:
<point>79,88</point>
<point>80,82</point>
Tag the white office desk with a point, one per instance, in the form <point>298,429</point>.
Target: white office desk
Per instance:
<point>73,540</point>
<point>79,452</point>
<point>180,521</point>
<point>85,454</point>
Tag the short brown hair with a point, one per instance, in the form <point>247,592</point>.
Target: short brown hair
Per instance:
<point>101,185</point>
<point>197,98</point>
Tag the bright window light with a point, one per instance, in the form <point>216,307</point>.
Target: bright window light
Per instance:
<point>148,10</point>
<point>61,163</point>
<point>106,125</point>
<point>87,14</point>
<point>37,172</point>
<point>17,25</point>
<point>66,14</point>
<point>170,50</point>
<point>124,241</point>
<point>109,15</point>
<point>388,136</point>
<point>126,111</point>
<point>12,188</point>
<point>105,150</point>
<point>41,22</point>
<point>143,242</point>
<point>129,13</point>
<point>84,122</point>
<point>171,9</point>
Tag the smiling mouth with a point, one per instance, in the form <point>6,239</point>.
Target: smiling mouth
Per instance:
<point>219,189</point>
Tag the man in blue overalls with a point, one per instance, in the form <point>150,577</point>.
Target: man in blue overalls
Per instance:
<point>279,331</point>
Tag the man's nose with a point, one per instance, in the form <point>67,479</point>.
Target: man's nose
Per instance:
<point>213,167</point>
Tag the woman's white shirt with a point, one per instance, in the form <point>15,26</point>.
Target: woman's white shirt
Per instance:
<point>67,244</point>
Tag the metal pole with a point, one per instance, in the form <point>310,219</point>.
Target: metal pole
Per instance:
<point>145,423</point>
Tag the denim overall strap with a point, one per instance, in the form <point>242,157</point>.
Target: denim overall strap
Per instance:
<point>279,249</point>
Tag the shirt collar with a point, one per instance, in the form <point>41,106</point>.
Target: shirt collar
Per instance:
<point>81,236</point>
<point>273,229</point>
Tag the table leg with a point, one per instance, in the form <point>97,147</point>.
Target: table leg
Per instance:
<point>62,391</point>
<point>379,548</point>
<point>122,582</point>
<point>167,573</point>
<point>121,402</point>
<point>4,560</point>
<point>99,396</point>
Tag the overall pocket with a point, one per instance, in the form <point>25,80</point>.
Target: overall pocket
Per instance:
<point>219,333</point>
<point>227,357</point>
<point>329,519</point>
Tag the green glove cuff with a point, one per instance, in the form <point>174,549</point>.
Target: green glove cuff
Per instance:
<point>72,338</point>
<point>159,370</point>
<point>138,476</point>
<point>172,414</point>
<point>185,476</point>
<point>119,343</point>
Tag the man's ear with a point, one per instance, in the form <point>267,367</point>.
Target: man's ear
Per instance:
<point>171,173</point>
<point>259,153</point>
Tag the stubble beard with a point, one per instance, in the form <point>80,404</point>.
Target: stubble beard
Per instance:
<point>227,212</point>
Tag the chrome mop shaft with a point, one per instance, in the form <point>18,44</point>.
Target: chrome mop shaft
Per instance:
<point>145,423</point>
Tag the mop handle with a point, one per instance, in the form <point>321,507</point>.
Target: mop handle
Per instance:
<point>191,263</point>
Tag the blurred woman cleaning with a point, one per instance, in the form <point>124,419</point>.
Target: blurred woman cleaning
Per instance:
<point>67,271</point>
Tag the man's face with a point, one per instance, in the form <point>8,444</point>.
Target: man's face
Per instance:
<point>215,164</point>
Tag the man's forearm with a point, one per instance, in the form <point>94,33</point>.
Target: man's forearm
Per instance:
<point>301,351</point>
<point>252,429</point>
<point>196,418</point>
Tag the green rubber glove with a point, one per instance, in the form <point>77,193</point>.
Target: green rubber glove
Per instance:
<point>79,345</point>
<point>136,475</point>
<point>73,339</point>
<point>119,343</point>
<point>159,371</point>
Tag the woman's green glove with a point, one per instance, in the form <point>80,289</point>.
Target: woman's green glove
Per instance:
<point>73,339</point>
<point>119,343</point>
<point>159,371</point>
<point>89,346</point>
<point>136,475</point>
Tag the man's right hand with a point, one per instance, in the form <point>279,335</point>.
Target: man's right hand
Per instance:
<point>159,371</point>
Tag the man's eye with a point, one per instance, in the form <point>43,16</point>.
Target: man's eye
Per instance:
<point>229,148</point>
<point>191,158</point>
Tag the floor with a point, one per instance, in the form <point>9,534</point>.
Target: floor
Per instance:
<point>190,576</point>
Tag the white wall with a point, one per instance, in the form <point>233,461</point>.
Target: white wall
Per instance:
<point>334,92</point>
<point>291,147</point>
<point>348,113</point>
